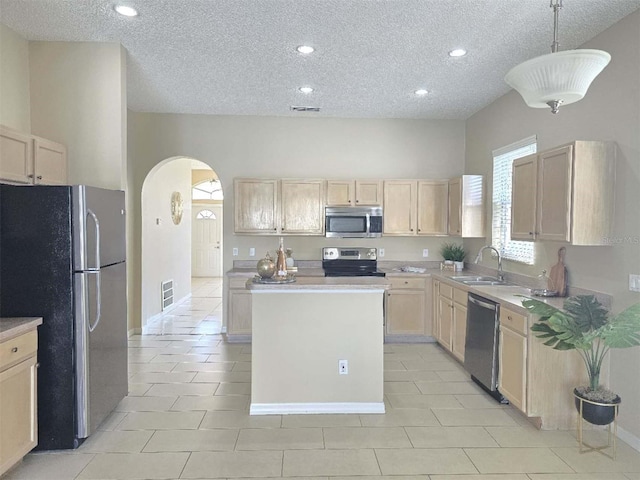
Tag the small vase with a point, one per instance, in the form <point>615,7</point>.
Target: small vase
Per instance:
<point>459,266</point>
<point>289,260</point>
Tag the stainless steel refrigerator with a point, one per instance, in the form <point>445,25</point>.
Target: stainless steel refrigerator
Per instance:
<point>62,257</point>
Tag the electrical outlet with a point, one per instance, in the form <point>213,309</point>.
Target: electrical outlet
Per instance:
<point>343,367</point>
<point>634,283</point>
<point>252,252</point>
<point>235,252</point>
<point>425,252</point>
<point>381,252</point>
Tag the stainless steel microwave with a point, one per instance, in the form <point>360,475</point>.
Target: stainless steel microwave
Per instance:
<point>353,222</point>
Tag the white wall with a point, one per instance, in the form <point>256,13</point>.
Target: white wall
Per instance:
<point>78,98</point>
<point>166,247</point>
<point>284,147</point>
<point>14,80</point>
<point>610,111</point>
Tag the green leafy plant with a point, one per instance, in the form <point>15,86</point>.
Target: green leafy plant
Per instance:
<point>452,251</point>
<point>586,326</point>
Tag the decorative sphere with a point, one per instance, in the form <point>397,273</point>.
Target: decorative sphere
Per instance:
<point>266,267</point>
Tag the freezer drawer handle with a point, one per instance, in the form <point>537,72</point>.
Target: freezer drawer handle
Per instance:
<point>96,271</point>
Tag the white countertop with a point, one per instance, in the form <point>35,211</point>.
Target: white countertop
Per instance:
<point>11,327</point>
<point>320,284</point>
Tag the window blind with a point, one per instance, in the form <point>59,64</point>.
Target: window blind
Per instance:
<point>519,251</point>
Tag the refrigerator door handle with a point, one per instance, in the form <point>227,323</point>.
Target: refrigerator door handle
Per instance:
<point>96,271</point>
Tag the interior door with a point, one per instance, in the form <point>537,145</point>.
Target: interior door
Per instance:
<point>206,239</point>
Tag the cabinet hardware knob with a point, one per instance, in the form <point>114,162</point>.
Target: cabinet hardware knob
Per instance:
<point>530,233</point>
<point>30,175</point>
<point>349,201</point>
<point>411,229</point>
<point>39,177</point>
<point>14,349</point>
<point>357,201</point>
<point>509,317</point>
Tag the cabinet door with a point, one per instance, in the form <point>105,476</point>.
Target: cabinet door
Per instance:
<point>512,374</point>
<point>446,322</point>
<point>49,162</point>
<point>400,207</point>
<point>523,198</point>
<point>432,207</point>
<point>459,329</point>
<point>256,206</point>
<point>368,192</point>
<point>302,207</point>
<point>18,412</point>
<point>239,313</point>
<point>340,193</point>
<point>405,312</point>
<point>554,194</point>
<point>436,308</point>
<point>16,163</point>
<point>455,206</point>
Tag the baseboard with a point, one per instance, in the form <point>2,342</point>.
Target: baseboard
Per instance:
<point>169,309</point>
<point>134,331</point>
<point>629,438</point>
<point>239,338</point>
<point>315,408</point>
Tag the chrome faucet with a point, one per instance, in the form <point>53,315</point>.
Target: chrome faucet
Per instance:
<point>479,257</point>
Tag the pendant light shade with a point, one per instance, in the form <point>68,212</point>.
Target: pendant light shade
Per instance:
<point>562,77</point>
<point>559,78</point>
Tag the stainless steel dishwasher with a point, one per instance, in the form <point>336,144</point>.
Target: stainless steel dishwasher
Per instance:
<point>481,346</point>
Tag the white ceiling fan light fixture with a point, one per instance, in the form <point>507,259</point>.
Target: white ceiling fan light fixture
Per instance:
<point>421,92</point>
<point>305,49</point>
<point>558,78</point>
<point>306,90</point>
<point>126,10</point>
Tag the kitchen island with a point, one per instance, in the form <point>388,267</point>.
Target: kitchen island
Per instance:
<point>303,332</point>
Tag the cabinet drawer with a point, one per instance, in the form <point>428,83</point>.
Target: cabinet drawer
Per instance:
<point>514,321</point>
<point>460,296</point>
<point>446,291</point>
<point>19,348</point>
<point>415,283</point>
<point>238,282</point>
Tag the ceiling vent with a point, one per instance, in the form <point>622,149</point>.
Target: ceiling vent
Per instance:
<point>298,108</point>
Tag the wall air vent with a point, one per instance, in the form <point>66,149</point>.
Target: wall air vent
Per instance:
<point>167,294</point>
<point>300,108</point>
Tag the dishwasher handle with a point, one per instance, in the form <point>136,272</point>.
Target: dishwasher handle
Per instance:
<point>490,306</point>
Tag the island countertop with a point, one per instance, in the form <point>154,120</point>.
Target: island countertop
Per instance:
<point>11,327</point>
<point>324,284</point>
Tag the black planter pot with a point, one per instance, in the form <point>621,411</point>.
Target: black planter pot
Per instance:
<point>597,413</point>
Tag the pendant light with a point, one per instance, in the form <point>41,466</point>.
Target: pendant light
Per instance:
<point>558,78</point>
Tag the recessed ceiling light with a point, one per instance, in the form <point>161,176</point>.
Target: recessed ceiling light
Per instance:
<point>126,11</point>
<point>306,89</point>
<point>421,92</point>
<point>458,52</point>
<point>305,49</point>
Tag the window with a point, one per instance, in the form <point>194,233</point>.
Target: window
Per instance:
<point>503,158</point>
<point>207,190</point>
<point>205,215</point>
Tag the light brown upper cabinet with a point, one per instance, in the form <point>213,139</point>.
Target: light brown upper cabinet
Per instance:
<point>574,194</point>
<point>432,207</point>
<point>415,207</point>
<point>466,206</point>
<point>347,193</point>
<point>26,159</point>
<point>302,207</point>
<point>269,206</point>
<point>523,198</point>
<point>400,207</point>
<point>256,205</point>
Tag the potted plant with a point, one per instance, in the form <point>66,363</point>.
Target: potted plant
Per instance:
<point>452,252</point>
<point>585,325</point>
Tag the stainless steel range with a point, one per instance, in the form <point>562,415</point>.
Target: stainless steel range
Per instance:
<point>350,262</point>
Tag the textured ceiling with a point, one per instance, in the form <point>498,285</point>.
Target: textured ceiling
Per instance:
<point>237,57</point>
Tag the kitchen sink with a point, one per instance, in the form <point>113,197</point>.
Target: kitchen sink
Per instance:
<point>478,280</point>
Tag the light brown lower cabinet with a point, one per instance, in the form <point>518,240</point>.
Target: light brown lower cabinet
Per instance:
<point>18,398</point>
<point>238,310</point>
<point>451,319</point>
<point>512,354</point>
<point>406,311</point>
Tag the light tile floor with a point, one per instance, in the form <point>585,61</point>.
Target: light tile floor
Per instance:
<point>186,416</point>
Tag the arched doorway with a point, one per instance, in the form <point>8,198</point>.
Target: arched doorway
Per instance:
<point>170,216</point>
